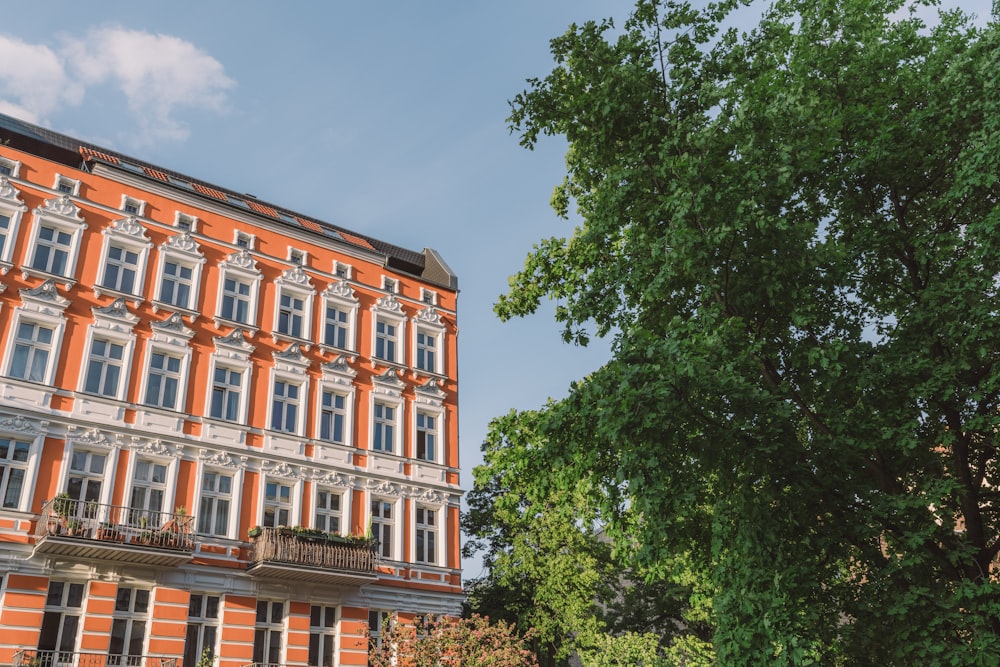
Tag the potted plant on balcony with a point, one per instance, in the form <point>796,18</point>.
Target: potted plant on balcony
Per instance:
<point>59,510</point>
<point>254,532</point>
<point>74,528</point>
<point>109,532</point>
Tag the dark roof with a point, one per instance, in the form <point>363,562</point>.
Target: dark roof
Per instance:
<point>80,155</point>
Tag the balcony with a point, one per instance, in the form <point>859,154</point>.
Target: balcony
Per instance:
<point>79,529</point>
<point>280,553</point>
<point>33,658</point>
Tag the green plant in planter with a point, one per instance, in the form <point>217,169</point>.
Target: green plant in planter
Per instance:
<point>206,659</point>
<point>254,532</point>
<point>62,504</point>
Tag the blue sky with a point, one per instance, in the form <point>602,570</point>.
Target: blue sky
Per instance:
<point>386,118</point>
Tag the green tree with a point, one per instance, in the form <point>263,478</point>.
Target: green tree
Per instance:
<point>792,233</point>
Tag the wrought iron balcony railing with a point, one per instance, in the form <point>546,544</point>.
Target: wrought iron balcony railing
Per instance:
<point>282,553</point>
<point>33,658</point>
<point>87,528</point>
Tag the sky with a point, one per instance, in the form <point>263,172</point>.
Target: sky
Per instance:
<point>385,118</point>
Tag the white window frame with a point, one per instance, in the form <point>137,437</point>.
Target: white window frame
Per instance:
<point>129,235</point>
<point>346,414</point>
<point>232,514</point>
<point>113,323</point>
<point>338,378</point>
<point>66,185</point>
<point>64,611</point>
<point>386,390</point>
<point>298,403</point>
<point>294,283</point>
<point>298,257</point>
<point>428,296</point>
<point>390,284</point>
<point>342,270</point>
<point>8,463</point>
<point>13,167</point>
<point>243,240</point>
<point>181,250</point>
<point>17,429</point>
<point>205,624</point>
<point>232,352</point>
<point>241,267</point>
<point>106,477</point>
<point>293,507</point>
<point>437,431</point>
<point>434,529</point>
<point>62,215</point>
<point>342,511</point>
<point>268,626</point>
<point>43,306</point>
<point>170,338</point>
<point>388,310</point>
<point>12,208</point>
<point>138,205</point>
<point>378,530</point>
<point>186,222</point>
<point>393,423</point>
<point>340,296</point>
<point>324,621</point>
<point>155,518</point>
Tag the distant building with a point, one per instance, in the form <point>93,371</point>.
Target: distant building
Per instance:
<point>197,389</point>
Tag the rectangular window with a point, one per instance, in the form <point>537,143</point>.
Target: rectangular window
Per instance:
<point>61,620</point>
<point>104,368</point>
<point>384,427</point>
<point>149,488</point>
<point>216,496</point>
<point>128,627</point>
<point>385,341</point>
<point>327,511</point>
<point>132,206</point>
<point>426,352</point>
<point>226,386</point>
<point>6,167</point>
<point>236,301</point>
<point>163,380</point>
<point>4,230</point>
<point>332,417</point>
<point>336,327</point>
<point>120,269</point>
<point>285,407</point>
<point>426,436</point>
<point>202,628</point>
<point>52,250</point>
<point>32,348</point>
<point>291,313</point>
<point>66,186</point>
<point>268,631</point>
<point>86,476</point>
<point>177,284</point>
<point>322,635</point>
<point>426,535</point>
<point>277,504</point>
<point>13,468</point>
<point>185,222</point>
<point>382,524</point>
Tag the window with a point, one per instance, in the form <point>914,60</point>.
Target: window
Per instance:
<point>333,417</point>
<point>383,427</point>
<point>86,476</point>
<point>385,340</point>
<point>67,186</point>
<point>428,296</point>
<point>163,380</point>
<point>426,542</point>
<point>11,209</point>
<point>202,627</point>
<point>390,285</point>
<point>120,269</point>
<point>128,627</point>
<point>32,350</point>
<point>328,511</point>
<point>104,368</point>
<point>226,389</point>
<point>216,497</point>
<point>297,256</point>
<point>13,468</point>
<point>277,504</point>
<point>52,250</point>
<point>133,206</point>
<point>426,445</point>
<point>341,270</point>
<point>177,284</point>
<point>149,489</point>
<point>285,407</point>
<point>268,632</point>
<point>322,635</point>
<point>291,313</point>
<point>238,284</point>
<point>185,222</point>
<point>243,240</point>
<point>336,327</point>
<point>427,351</point>
<point>61,620</point>
<point>9,167</point>
<point>382,525</point>
<point>235,300</point>
<point>378,622</point>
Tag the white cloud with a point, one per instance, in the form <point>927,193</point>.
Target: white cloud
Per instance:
<point>158,75</point>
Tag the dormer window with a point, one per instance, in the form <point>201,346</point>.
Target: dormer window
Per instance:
<point>133,206</point>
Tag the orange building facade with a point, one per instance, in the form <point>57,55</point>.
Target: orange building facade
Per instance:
<point>228,431</point>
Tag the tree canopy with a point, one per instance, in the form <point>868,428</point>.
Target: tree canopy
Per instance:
<point>792,234</point>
